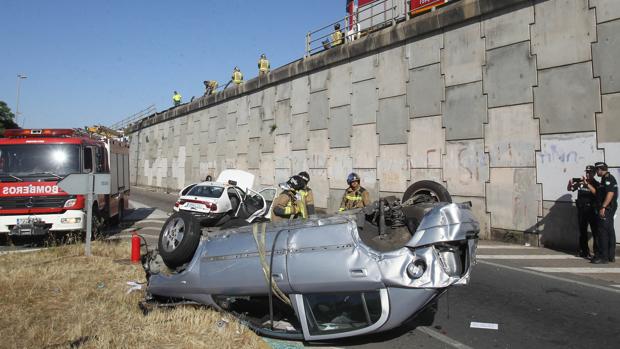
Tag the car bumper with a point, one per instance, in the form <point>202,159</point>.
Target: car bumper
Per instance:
<point>68,221</point>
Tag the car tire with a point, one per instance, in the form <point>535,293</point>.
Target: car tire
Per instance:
<point>427,191</point>
<point>178,239</point>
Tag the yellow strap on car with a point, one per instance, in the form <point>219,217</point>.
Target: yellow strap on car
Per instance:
<point>260,244</point>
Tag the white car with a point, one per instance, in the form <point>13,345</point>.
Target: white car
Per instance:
<point>229,197</point>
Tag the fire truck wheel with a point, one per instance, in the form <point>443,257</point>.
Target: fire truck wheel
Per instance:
<point>98,224</point>
<point>178,239</point>
<point>426,191</point>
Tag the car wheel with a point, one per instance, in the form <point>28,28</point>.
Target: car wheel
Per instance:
<point>178,239</point>
<point>426,191</point>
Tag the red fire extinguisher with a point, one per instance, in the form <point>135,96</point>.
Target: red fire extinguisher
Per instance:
<point>135,248</point>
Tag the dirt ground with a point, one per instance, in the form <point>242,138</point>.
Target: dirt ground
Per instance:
<point>58,298</point>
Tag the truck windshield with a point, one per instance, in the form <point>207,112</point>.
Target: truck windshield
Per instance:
<point>38,160</point>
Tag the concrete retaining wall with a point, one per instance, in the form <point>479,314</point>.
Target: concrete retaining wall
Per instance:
<point>501,101</point>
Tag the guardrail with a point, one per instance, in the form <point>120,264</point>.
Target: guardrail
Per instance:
<point>121,125</point>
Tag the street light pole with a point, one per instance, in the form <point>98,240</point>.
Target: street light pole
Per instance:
<point>19,80</point>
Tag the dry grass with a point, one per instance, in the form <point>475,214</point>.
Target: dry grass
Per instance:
<point>56,297</point>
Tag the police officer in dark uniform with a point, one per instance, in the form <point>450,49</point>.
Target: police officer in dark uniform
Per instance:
<point>586,208</point>
<point>607,194</point>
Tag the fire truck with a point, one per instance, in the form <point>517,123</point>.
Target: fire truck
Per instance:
<point>33,161</point>
<point>364,15</point>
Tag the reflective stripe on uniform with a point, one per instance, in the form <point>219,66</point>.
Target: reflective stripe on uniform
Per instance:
<point>354,198</point>
<point>264,65</point>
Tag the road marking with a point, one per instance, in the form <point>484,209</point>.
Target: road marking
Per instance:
<point>591,270</point>
<point>526,256</point>
<point>618,286</point>
<point>443,338</point>
<point>499,247</point>
<point>549,276</point>
<point>21,251</point>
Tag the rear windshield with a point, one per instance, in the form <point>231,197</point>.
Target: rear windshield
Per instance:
<point>206,191</point>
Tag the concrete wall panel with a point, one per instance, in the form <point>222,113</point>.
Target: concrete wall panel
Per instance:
<point>605,55</point>
<point>255,122</point>
<point>558,227</point>
<point>608,124</point>
<point>507,30</point>
<point>319,110</point>
<point>254,153</point>
<point>562,157</point>
<point>318,81</point>
<point>281,175</point>
<point>426,174</point>
<point>318,148</point>
<point>269,103</point>
<point>339,86</point>
<point>557,41</point>
<point>509,75</point>
<point>513,198</point>
<point>283,117</point>
<point>299,139</point>
<point>365,146</point>
<point>364,102</point>
<point>426,142</point>
<point>320,186</point>
<point>231,127</point>
<point>364,68</point>
<point>511,136</point>
<point>334,199</point>
<point>299,161</point>
<point>340,127</point>
<point>282,151</point>
<point>267,138</point>
<point>392,73</point>
<point>393,120</point>
<point>466,167</point>
<point>464,111</point>
<point>562,109</point>
<point>368,180</point>
<point>393,168</point>
<point>267,170</point>
<point>425,91</point>
<point>425,51</point>
<point>339,165</point>
<point>463,55</point>
<point>300,96</point>
<point>255,99</point>
<point>221,142</point>
<point>283,91</point>
<point>243,139</point>
<point>243,113</point>
<point>606,10</point>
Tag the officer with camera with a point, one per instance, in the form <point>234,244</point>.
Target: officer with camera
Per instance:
<point>607,195</point>
<point>587,214</point>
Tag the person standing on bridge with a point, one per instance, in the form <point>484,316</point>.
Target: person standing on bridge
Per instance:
<point>237,76</point>
<point>176,98</point>
<point>607,194</point>
<point>337,36</point>
<point>263,65</point>
<point>210,87</point>
<point>355,196</point>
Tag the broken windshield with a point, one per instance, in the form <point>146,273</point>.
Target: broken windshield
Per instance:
<point>24,160</point>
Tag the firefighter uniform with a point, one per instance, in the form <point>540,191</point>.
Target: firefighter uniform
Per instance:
<point>354,198</point>
<point>263,65</point>
<point>210,87</point>
<point>176,98</point>
<point>307,198</point>
<point>237,76</point>
<point>286,206</point>
<point>337,38</point>
<point>607,234</point>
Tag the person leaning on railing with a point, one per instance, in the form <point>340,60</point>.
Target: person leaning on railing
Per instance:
<point>263,65</point>
<point>337,35</point>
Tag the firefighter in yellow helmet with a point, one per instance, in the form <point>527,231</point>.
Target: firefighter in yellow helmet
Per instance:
<point>210,87</point>
<point>263,65</point>
<point>237,76</point>
<point>176,98</point>
<point>288,204</point>
<point>355,196</point>
<point>306,193</point>
<point>337,36</point>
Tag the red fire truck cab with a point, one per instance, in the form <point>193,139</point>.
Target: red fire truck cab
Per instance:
<point>31,164</point>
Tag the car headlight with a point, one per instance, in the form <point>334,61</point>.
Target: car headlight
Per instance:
<point>74,220</point>
<point>70,203</point>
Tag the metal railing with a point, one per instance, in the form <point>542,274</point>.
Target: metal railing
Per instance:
<point>121,125</point>
<point>322,39</point>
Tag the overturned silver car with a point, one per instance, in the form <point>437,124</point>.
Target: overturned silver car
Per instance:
<point>350,274</point>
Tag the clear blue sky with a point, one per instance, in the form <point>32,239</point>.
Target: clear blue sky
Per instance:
<point>97,62</point>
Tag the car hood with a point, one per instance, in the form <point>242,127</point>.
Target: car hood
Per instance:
<point>245,180</point>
